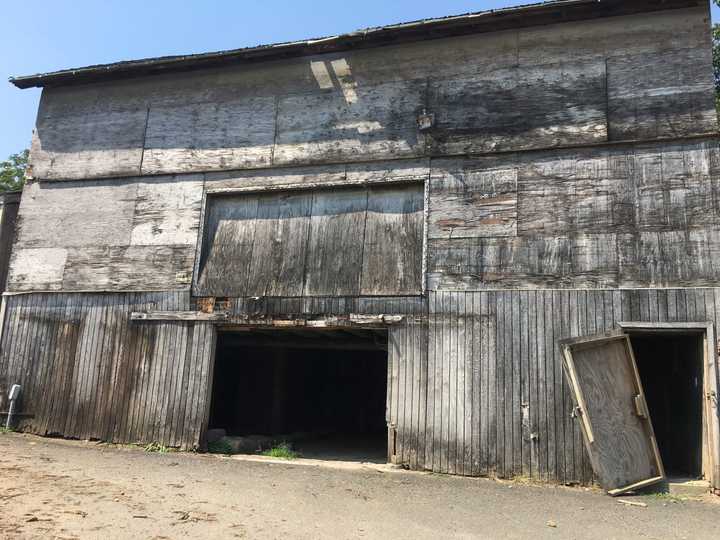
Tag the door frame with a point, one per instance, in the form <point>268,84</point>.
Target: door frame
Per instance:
<point>711,411</point>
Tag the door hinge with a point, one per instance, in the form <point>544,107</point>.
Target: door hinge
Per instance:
<point>712,396</point>
<point>641,407</point>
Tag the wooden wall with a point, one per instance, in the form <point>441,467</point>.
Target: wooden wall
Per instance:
<point>643,215</point>
<point>623,215</point>
<point>355,241</point>
<point>134,234</point>
<point>475,389</point>
<point>490,398</point>
<point>616,78</point>
<point>87,372</point>
<point>540,210</point>
<point>9,206</point>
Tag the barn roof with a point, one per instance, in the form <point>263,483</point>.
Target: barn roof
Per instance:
<point>485,21</point>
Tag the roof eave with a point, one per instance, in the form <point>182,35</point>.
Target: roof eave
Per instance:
<point>481,22</point>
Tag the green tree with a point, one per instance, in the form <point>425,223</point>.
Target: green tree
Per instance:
<point>12,172</point>
<point>716,59</point>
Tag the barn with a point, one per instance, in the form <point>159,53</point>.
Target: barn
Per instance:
<point>484,245</point>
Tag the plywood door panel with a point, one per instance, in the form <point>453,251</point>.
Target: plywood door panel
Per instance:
<point>612,411</point>
<point>393,246</point>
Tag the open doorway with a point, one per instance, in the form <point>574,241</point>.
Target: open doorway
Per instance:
<point>671,371</point>
<point>320,392</point>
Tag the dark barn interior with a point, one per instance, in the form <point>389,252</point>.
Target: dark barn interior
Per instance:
<point>322,391</point>
<point>671,370</point>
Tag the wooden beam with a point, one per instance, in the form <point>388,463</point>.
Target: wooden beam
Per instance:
<point>224,316</point>
<point>178,316</point>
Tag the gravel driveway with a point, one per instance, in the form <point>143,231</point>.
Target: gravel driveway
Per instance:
<point>62,489</point>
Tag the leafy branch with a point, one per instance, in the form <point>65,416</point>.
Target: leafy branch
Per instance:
<point>12,172</point>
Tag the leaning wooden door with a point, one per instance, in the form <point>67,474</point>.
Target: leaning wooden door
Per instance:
<point>611,407</point>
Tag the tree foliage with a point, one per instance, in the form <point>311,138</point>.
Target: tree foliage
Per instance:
<point>716,59</point>
<point>12,172</point>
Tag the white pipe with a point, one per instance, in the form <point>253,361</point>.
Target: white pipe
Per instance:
<point>14,395</point>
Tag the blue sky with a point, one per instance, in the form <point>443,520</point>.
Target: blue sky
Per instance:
<point>46,35</point>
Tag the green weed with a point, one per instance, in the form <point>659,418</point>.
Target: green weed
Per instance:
<point>156,448</point>
<point>282,451</point>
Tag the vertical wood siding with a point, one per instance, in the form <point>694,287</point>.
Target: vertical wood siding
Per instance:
<point>494,397</point>
<point>475,388</point>
<point>87,372</point>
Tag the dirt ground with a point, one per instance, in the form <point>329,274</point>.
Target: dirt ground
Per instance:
<point>61,489</point>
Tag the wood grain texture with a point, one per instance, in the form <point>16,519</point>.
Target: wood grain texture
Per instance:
<point>87,136</point>
<point>229,134</point>
<point>393,242</point>
<point>605,385</point>
<point>334,255</point>
<point>645,33</point>
<point>536,262</point>
<point>282,227</point>
<point>136,233</point>
<point>625,216</point>
<point>144,268</point>
<point>9,207</point>
<point>519,108</point>
<point>88,372</point>
<point>671,94</point>
<point>470,199</point>
<point>343,242</point>
<point>526,410</point>
<point>365,122</point>
<point>528,88</point>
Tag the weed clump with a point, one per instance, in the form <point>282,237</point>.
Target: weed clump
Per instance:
<point>282,451</point>
<point>156,448</point>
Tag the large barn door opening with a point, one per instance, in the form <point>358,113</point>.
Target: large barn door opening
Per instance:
<point>613,412</point>
<point>322,393</point>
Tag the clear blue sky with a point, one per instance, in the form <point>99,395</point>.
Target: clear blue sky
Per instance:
<point>46,35</point>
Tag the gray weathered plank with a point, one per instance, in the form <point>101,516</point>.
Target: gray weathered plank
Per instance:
<point>519,108</point>
<point>393,245</point>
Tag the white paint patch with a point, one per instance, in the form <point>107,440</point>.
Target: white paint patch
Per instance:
<point>322,75</point>
<point>38,265</point>
<point>345,77</point>
<point>167,211</point>
<point>361,127</point>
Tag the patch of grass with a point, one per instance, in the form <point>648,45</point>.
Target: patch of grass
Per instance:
<point>219,447</point>
<point>281,451</point>
<point>156,448</point>
<point>3,429</point>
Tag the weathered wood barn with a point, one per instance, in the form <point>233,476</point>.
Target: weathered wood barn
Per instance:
<point>390,234</point>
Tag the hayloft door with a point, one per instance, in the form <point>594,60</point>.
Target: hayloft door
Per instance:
<point>611,407</point>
